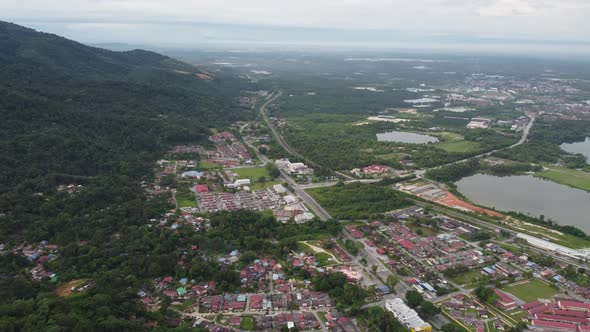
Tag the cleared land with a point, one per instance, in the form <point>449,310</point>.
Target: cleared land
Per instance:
<point>466,278</point>
<point>566,176</point>
<point>531,290</point>
<point>454,142</point>
<point>358,200</point>
<point>65,290</point>
<point>322,256</point>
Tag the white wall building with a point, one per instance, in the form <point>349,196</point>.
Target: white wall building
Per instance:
<point>406,315</point>
<point>544,244</point>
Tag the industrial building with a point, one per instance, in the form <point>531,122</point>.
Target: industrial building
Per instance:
<point>407,316</point>
<point>559,249</point>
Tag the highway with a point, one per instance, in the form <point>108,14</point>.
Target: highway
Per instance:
<point>308,200</point>
<point>317,209</point>
<point>280,138</point>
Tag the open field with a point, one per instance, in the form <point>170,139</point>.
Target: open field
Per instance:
<point>65,289</point>
<point>255,174</point>
<point>357,200</point>
<point>322,256</point>
<point>322,315</point>
<point>454,142</point>
<point>204,165</point>
<point>459,146</point>
<point>247,323</point>
<point>561,238</point>
<point>422,230</point>
<point>569,177</point>
<point>185,198</point>
<point>453,201</point>
<point>466,278</point>
<point>394,156</point>
<point>531,290</point>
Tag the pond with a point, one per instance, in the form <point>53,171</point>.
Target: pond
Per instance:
<point>530,195</point>
<point>406,137</point>
<point>578,147</point>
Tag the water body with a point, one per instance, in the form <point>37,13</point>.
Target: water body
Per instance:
<point>406,137</point>
<point>578,147</point>
<point>530,195</point>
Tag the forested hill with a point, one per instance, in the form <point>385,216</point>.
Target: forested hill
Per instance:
<point>77,114</point>
<point>71,109</point>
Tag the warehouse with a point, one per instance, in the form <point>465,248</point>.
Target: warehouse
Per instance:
<point>407,316</point>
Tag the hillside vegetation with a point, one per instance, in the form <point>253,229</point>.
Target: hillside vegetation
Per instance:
<point>70,109</point>
<point>77,114</point>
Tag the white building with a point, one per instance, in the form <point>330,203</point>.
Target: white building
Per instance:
<point>279,188</point>
<point>290,199</point>
<point>544,244</point>
<point>480,123</point>
<point>293,168</point>
<point>304,217</point>
<point>406,315</point>
<point>242,182</point>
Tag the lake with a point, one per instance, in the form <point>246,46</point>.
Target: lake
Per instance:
<point>406,137</point>
<point>578,147</point>
<point>530,195</point>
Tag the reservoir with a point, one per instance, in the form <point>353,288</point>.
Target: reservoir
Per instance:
<point>578,147</point>
<point>530,195</point>
<point>406,137</point>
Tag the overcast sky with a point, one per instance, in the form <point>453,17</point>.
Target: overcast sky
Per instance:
<point>559,24</point>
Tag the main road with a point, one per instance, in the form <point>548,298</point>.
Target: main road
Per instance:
<point>280,138</point>
<point>274,96</point>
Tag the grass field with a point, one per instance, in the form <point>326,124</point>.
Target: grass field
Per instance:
<point>185,198</point>
<point>531,290</point>
<point>466,278</point>
<point>424,231</point>
<point>322,315</point>
<point>358,200</point>
<point>247,323</point>
<point>454,142</point>
<point>460,146</point>
<point>394,156</point>
<point>253,173</point>
<point>204,165</point>
<point>566,176</point>
<point>563,239</point>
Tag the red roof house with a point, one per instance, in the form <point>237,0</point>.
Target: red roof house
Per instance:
<point>201,188</point>
<point>554,325</point>
<point>505,301</point>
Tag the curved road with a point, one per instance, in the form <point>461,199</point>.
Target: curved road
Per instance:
<point>523,139</point>
<point>280,138</point>
<point>285,145</point>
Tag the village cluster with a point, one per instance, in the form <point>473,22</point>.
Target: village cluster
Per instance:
<point>448,258</point>
<point>270,299</point>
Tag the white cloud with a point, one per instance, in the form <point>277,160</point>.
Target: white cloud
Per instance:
<point>552,19</point>
<point>508,8</point>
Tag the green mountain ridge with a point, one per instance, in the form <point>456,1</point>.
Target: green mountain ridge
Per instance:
<point>71,113</point>
<point>73,109</point>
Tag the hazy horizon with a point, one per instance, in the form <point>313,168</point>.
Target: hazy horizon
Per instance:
<point>495,26</point>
